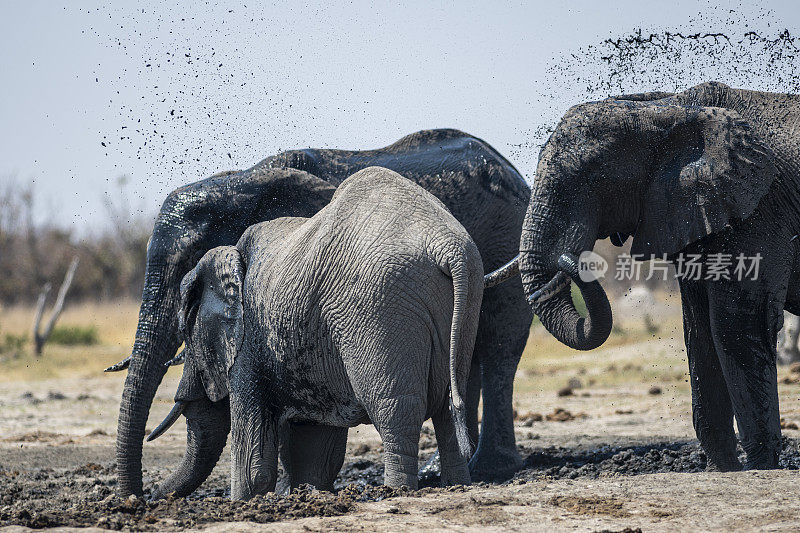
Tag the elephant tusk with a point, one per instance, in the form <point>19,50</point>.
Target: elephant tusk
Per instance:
<point>171,418</point>
<point>177,360</point>
<point>505,272</point>
<point>559,282</point>
<point>122,365</point>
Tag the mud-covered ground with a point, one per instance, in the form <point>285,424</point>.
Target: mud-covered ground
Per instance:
<point>83,496</point>
<point>606,438</point>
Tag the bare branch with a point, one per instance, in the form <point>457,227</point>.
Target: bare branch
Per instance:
<point>37,319</point>
<point>41,338</point>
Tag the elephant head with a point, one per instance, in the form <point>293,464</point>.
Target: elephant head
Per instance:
<point>210,319</point>
<point>665,169</point>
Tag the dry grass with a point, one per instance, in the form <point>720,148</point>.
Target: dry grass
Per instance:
<point>116,326</point>
<point>546,364</point>
<point>115,321</point>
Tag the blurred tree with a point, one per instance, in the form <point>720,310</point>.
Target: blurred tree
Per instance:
<point>35,249</point>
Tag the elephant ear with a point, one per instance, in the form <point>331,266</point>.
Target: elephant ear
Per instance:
<point>709,170</point>
<point>211,318</point>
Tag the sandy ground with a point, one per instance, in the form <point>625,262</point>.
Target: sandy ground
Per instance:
<point>623,458</point>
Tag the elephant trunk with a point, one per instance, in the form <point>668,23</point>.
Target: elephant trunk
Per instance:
<point>544,271</point>
<point>207,426</point>
<point>157,340</point>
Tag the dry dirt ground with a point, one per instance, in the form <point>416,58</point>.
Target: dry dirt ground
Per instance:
<point>606,437</point>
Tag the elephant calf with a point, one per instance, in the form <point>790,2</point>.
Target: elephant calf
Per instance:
<point>366,312</point>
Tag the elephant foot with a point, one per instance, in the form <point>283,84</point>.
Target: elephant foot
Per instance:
<point>721,456</point>
<point>499,465</point>
<point>733,465</point>
<point>400,470</point>
<point>456,475</point>
<point>763,461</point>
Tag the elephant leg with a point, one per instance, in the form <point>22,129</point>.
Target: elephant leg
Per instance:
<point>399,419</point>
<point>313,454</point>
<point>454,466</point>
<point>744,324</point>
<point>254,438</point>
<point>712,412</point>
<point>432,466</point>
<point>502,333</point>
<point>473,399</point>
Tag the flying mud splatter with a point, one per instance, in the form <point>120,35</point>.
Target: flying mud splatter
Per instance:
<point>191,98</point>
<point>721,45</point>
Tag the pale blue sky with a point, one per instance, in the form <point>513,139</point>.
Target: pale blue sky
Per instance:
<point>215,86</point>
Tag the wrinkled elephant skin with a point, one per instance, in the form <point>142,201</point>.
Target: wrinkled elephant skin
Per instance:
<point>482,190</point>
<point>711,171</point>
<point>366,312</point>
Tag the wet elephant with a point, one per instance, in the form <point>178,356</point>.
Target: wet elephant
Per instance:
<point>712,172</point>
<point>482,190</point>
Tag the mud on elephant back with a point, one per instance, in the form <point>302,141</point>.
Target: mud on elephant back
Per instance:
<point>481,189</point>
<point>713,172</point>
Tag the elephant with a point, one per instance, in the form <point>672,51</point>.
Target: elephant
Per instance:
<point>366,312</point>
<point>484,192</point>
<point>712,172</point>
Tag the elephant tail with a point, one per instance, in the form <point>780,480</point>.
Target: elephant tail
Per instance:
<point>467,296</point>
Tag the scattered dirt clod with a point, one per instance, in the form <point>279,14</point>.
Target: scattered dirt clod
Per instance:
<point>360,449</point>
<point>35,436</point>
<point>562,415</point>
<point>529,418</point>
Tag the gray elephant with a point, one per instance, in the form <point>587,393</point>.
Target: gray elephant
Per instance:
<point>481,189</point>
<point>366,312</point>
<point>712,172</point>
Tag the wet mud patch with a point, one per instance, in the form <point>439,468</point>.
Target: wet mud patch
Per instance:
<point>557,462</point>
<point>84,497</point>
<point>561,462</point>
<point>363,471</point>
